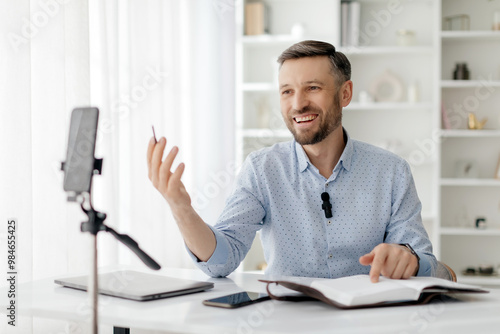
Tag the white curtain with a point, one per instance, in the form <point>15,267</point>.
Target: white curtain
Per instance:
<point>168,64</point>
<point>164,63</point>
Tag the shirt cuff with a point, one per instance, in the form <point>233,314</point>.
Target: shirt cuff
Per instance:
<point>425,268</point>
<point>220,253</point>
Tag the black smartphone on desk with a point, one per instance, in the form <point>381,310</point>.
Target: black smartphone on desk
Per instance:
<point>237,299</point>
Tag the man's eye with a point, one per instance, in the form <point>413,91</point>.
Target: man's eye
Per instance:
<point>285,92</point>
<point>314,88</point>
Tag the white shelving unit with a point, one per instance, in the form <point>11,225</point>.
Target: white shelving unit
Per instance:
<point>412,129</point>
<point>463,200</point>
<point>397,106</point>
<point>469,83</point>
<point>468,34</point>
<point>259,122</point>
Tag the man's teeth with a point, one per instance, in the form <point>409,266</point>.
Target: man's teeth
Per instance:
<point>305,118</point>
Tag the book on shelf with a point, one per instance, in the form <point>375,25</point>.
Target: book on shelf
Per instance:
<point>350,23</point>
<point>444,118</point>
<point>256,18</point>
<point>359,292</point>
<point>497,171</point>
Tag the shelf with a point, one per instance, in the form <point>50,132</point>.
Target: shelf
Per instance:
<point>453,182</point>
<point>266,133</point>
<point>469,83</point>
<point>385,50</point>
<point>470,133</point>
<point>260,87</point>
<point>470,35</point>
<point>403,2</point>
<point>388,106</point>
<point>478,280</point>
<point>269,40</point>
<point>470,231</point>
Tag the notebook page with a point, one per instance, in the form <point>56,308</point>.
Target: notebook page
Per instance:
<point>359,290</point>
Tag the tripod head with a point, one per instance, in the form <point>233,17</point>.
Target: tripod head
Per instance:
<point>79,168</point>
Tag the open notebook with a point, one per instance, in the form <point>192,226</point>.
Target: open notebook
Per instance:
<point>358,291</point>
<point>137,286</point>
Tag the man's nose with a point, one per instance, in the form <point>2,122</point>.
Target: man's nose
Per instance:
<point>300,101</point>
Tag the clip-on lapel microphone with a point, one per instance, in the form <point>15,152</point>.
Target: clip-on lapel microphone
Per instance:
<point>327,206</point>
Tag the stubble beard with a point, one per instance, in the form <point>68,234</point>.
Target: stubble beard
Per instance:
<point>331,121</point>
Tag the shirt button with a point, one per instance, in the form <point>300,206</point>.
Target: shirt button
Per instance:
<point>330,256</point>
<point>329,222</point>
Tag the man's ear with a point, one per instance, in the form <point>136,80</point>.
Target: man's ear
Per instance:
<point>346,93</point>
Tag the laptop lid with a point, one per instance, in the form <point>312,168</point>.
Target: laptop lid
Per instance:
<point>135,285</point>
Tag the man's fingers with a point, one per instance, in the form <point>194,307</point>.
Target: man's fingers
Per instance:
<point>175,178</point>
<point>169,160</point>
<point>149,155</point>
<point>409,271</point>
<point>165,167</point>
<point>398,271</point>
<point>156,160</point>
<point>411,263</point>
<point>377,265</point>
<point>366,259</point>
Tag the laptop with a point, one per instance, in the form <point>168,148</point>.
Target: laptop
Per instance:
<point>139,286</point>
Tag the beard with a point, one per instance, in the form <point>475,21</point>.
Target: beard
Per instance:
<point>330,122</point>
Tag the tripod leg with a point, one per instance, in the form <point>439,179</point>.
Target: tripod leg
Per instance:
<point>94,286</point>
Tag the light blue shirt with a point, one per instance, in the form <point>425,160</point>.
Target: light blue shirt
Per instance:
<point>278,191</point>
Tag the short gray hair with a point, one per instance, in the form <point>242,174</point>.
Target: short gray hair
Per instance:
<point>341,67</point>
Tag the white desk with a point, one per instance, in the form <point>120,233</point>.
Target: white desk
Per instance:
<point>186,314</point>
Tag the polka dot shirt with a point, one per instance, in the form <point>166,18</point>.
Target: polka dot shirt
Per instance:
<point>278,191</point>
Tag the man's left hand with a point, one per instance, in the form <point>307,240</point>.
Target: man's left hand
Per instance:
<point>390,260</point>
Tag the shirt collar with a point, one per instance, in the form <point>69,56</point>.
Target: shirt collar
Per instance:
<point>344,161</point>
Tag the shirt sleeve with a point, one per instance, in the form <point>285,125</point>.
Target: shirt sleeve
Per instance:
<point>236,227</point>
<point>405,225</point>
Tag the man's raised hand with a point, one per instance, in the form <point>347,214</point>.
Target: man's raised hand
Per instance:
<point>167,183</point>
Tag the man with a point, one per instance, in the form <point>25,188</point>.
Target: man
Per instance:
<point>375,226</point>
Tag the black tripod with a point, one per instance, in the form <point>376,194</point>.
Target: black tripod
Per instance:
<point>79,168</point>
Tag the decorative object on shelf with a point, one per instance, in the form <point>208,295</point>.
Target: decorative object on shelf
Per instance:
<point>482,270</point>
<point>365,97</point>
<point>461,72</point>
<point>486,269</point>
<point>413,92</point>
<point>496,20</point>
<point>298,30</point>
<point>481,223</point>
<point>497,171</point>
<point>262,266</point>
<point>474,123</point>
<point>350,23</point>
<point>387,88</point>
<point>444,115</point>
<point>405,37</point>
<point>466,169</point>
<point>256,19</point>
<point>457,22</point>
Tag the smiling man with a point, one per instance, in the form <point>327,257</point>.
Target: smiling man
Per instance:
<point>375,225</point>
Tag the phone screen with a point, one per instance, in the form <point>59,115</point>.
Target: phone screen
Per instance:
<point>79,164</point>
<point>237,300</point>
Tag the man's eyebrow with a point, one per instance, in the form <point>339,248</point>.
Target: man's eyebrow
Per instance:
<point>317,82</point>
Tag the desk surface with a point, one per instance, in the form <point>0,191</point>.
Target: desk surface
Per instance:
<point>186,314</point>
